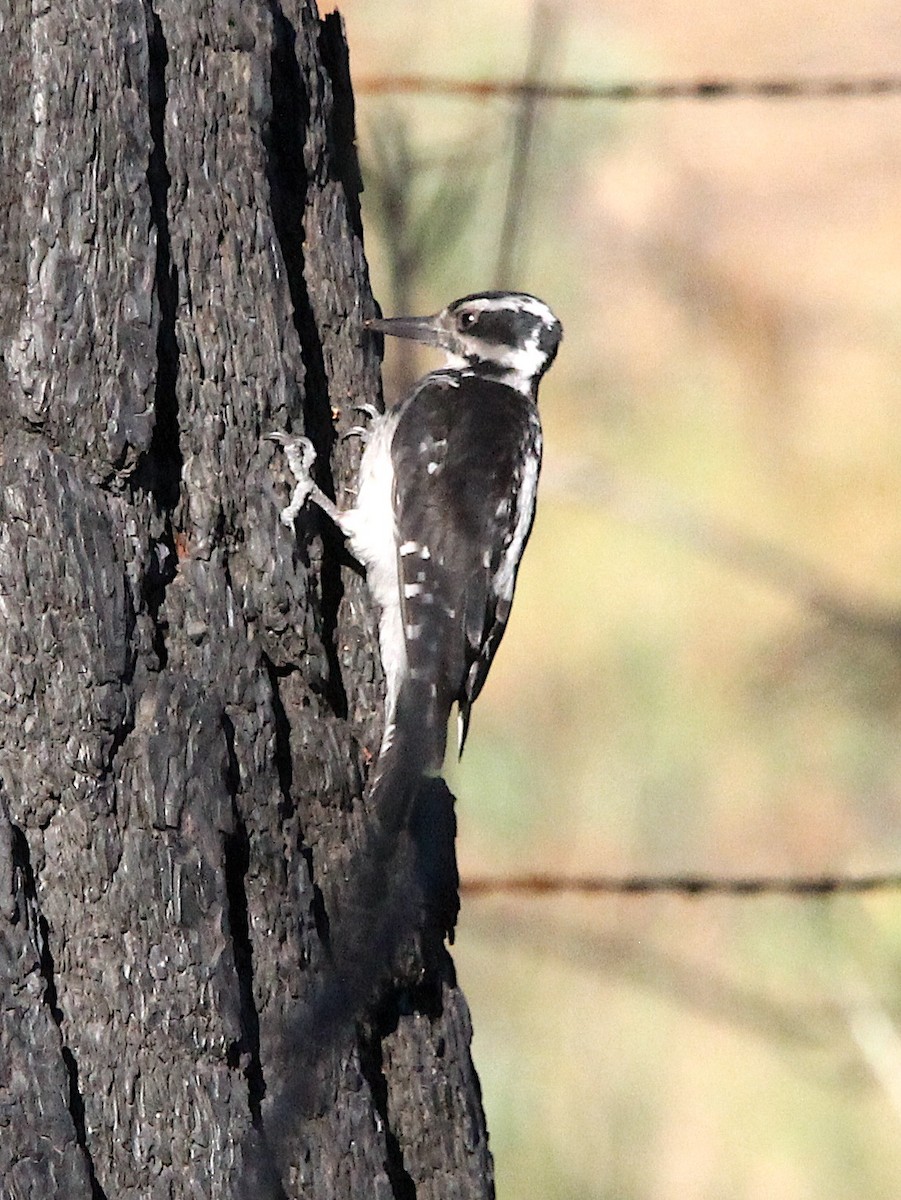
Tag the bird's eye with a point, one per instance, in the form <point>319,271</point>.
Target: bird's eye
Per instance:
<point>466,320</point>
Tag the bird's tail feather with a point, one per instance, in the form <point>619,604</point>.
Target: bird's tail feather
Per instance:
<point>412,749</point>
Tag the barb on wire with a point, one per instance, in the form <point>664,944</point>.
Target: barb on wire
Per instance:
<point>683,885</point>
<point>835,87</point>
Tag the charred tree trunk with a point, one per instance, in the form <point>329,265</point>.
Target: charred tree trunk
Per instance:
<point>189,694</point>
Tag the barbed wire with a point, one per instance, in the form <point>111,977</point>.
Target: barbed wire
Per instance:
<point>828,87</point>
<point>684,885</point>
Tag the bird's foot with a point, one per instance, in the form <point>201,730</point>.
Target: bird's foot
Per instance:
<point>300,454</point>
<point>361,431</point>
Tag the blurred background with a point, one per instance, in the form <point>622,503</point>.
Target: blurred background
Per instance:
<point>703,670</point>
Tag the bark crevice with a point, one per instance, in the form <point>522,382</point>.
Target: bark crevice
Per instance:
<point>160,469</point>
<point>246,1053</point>
<point>403,1186</point>
<point>21,854</point>
<point>165,457</point>
<point>284,766</point>
<point>289,185</point>
<point>342,126</point>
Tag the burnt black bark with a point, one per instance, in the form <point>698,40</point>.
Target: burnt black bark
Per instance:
<point>189,694</point>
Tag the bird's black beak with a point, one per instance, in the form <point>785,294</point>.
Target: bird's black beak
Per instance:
<point>416,329</point>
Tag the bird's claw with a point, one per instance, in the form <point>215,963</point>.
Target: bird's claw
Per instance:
<point>369,409</point>
<point>299,451</point>
<point>361,431</point>
<point>300,454</point>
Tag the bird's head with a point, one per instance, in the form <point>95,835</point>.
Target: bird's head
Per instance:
<point>508,336</point>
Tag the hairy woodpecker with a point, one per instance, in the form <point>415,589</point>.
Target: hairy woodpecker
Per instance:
<point>445,503</point>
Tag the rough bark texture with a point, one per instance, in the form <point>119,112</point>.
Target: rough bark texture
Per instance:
<point>189,695</point>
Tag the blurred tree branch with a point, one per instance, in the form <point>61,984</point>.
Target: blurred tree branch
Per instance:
<point>805,1025</point>
<point>877,1039</point>
<point>420,205</point>
<point>661,512</point>
<point>543,43</point>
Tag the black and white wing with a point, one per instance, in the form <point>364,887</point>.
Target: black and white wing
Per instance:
<point>466,454</point>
